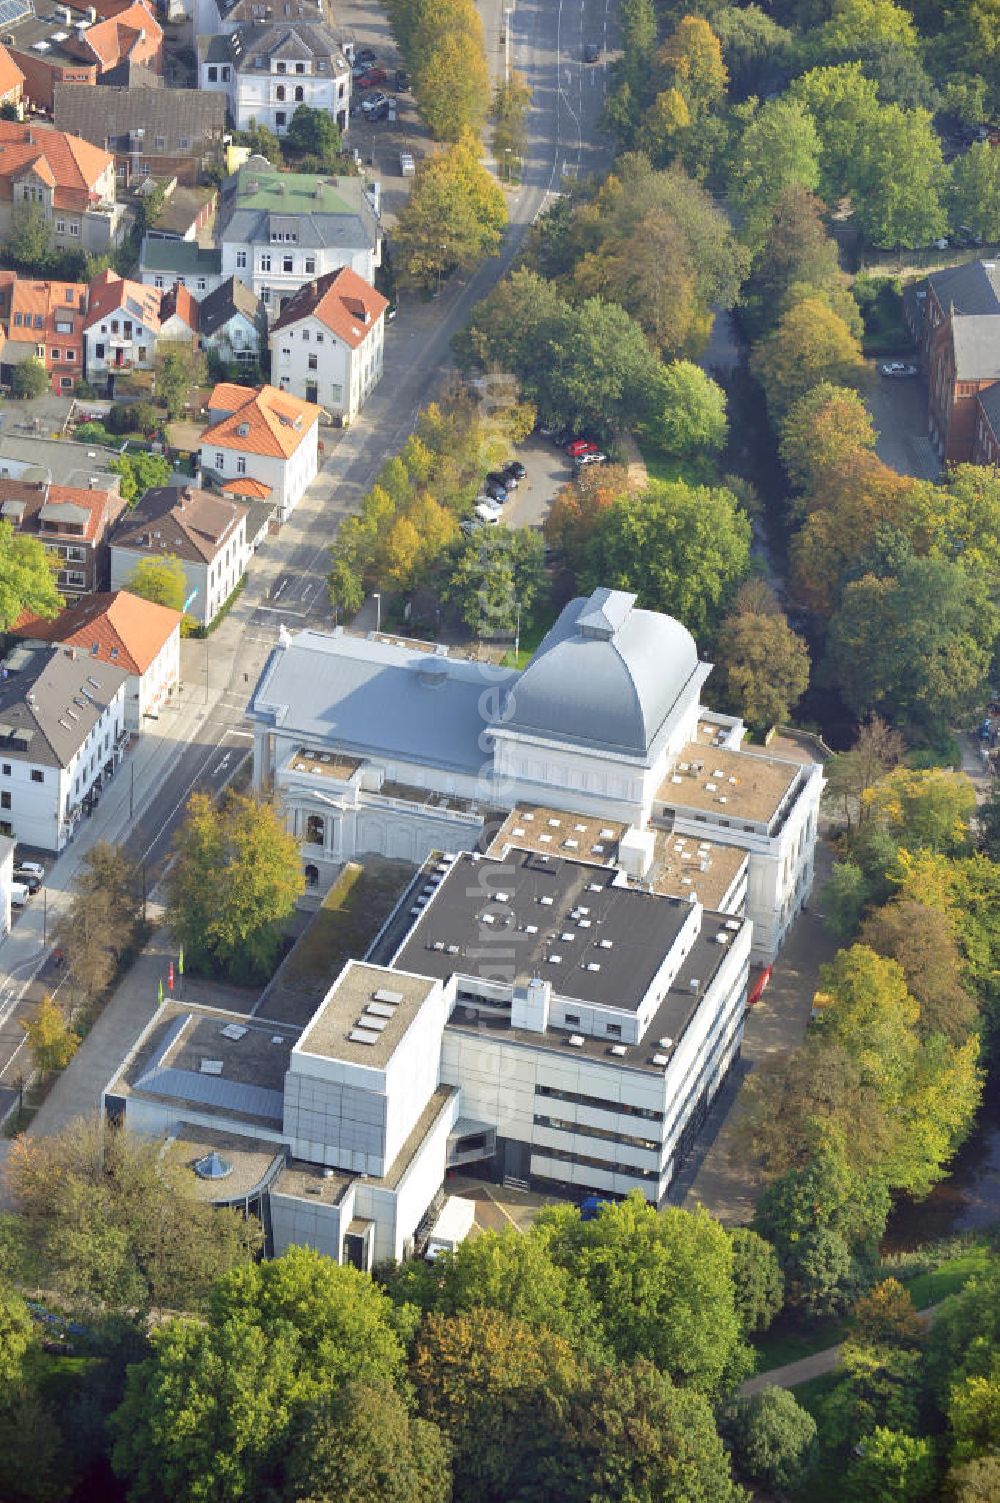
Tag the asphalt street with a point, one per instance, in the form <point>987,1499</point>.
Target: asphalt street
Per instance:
<point>203,739</point>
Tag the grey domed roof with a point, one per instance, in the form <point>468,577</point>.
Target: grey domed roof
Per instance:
<point>605,675</point>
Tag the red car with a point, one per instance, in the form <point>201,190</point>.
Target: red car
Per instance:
<point>581,446</point>
<point>372,78</point>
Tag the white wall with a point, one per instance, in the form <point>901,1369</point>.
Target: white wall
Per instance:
<point>289,479</point>
<point>148,691</point>
<point>6,878</point>
<point>343,377</point>
<point>263,267</point>
<point>138,348</point>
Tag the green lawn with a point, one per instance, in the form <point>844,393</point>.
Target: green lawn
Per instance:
<point>929,1288</point>
<point>666,467</point>
<point>351,915</point>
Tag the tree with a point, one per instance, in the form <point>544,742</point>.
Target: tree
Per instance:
<point>773,1439</point>
<point>262,143</point>
<point>314,131</point>
<point>917,647</point>
<point>161,580</point>
<point>27,580</point>
<point>843,104</point>
<point>779,148</point>
<point>975,1481</point>
<point>573,516</point>
<point>214,1413</point>
<point>857,521</point>
<point>757,1279</point>
<point>234,882</point>
<point>975,191</point>
<point>511,102</point>
<point>632,1436</point>
<point>926,809</point>
<point>149,206</point>
<point>811,344</point>
<point>497,574</point>
<point>661,1282</point>
<point>797,259</point>
<point>683,549</point>
<point>756,50</point>
<point>692,58</point>
<point>361,1445</point>
<point>139,473</point>
<point>921,940</point>
<point>687,411</point>
<point>102,921</point>
<point>446,54</point>
<point>178,369</point>
<point>899,178</point>
<point>857,25</point>
<point>31,379</point>
<point>454,216</point>
<point>893,1468</point>
<point>16,1337</point>
<point>113,1225</point>
<point>50,1039</point>
<point>765,666</point>
<point>822,431</point>
<point>877,750</point>
<point>29,244</point>
<point>496,1389</point>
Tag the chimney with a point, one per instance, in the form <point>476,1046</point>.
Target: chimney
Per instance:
<point>67,15</point>
<point>91,14</point>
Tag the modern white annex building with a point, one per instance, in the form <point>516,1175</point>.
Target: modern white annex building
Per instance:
<point>376,745</point>
<point>540,1018</point>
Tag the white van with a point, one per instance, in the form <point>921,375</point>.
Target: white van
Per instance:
<point>19,894</point>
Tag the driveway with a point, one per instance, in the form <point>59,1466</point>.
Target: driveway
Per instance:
<point>899,409</point>
<point>548,471</point>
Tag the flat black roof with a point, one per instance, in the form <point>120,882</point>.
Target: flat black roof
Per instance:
<point>574,925</point>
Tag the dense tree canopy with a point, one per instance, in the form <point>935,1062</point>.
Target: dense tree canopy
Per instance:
<point>455,214</point>
<point>27,579</point>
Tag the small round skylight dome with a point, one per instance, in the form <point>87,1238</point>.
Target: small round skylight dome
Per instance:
<point>213,1166</point>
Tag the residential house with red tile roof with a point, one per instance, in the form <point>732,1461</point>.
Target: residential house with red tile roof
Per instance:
<point>11,79</point>
<point>127,632</point>
<point>46,323</point>
<point>73,181</point>
<point>326,344</point>
<point>72,524</point>
<point>263,435</point>
<point>122,325</point>
<point>207,533</point>
<point>54,43</point>
<point>178,315</point>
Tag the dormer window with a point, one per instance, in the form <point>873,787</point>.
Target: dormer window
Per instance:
<point>279,67</point>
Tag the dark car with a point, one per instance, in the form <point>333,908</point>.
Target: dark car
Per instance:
<point>515,471</point>
<point>30,880</point>
<point>379,110</point>
<point>372,103</point>
<point>496,490</point>
<point>499,477</point>
<point>402,80</point>
<point>591,52</point>
<point>364,55</point>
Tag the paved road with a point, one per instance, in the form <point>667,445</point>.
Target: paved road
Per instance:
<point>899,409</point>
<point>199,743</point>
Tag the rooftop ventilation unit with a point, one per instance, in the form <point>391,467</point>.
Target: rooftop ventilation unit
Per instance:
<point>501,897</point>
<point>213,1166</point>
<point>363,1036</point>
<point>372,1025</point>
<point>555,960</point>
<point>211,1067</point>
<point>575,1041</point>
<point>393,998</point>
<point>593,965</point>
<point>694,984</point>
<point>733,925</point>
<point>380,1010</point>
<point>666,1043</point>
<point>233,1031</point>
<point>722,939</point>
<point>605,944</point>
<point>531,928</point>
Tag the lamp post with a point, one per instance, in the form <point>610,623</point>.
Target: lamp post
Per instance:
<point>378,612</point>
<point>508,11</point>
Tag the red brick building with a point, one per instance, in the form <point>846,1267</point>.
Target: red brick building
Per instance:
<point>955,316</point>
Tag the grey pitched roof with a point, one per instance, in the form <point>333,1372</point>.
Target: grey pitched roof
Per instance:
<point>187,120</point>
<point>976,341</point>
<point>973,287</point>
<point>227,300</point>
<point>195,525</point>
<point>605,675</point>
<point>219,48</point>
<point>179,257</point>
<point>50,701</point>
<point>314,231</point>
<point>294,39</point>
<point>377,697</point>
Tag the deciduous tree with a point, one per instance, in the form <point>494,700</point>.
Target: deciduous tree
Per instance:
<point>29,244</point>
<point>180,368</point>
<point>234,882</point>
<point>31,379</point>
<point>843,104</point>
<point>686,411</point>
<point>925,809</point>
<point>361,1445</point>
<point>764,666</point>
<point>893,1468</point>
<point>16,1337</point>
<point>779,148</point>
<point>757,1279</point>
<point>161,580</point>
<point>797,259</point>
<point>496,575</point>
<point>445,51</point>
<point>811,344</point>
<point>899,180</point>
<point>773,1439</point>
<point>314,131</point>
<point>51,1040</point>
<point>454,216</point>
<point>822,432</point>
<point>922,940</point>
<point>27,580</point>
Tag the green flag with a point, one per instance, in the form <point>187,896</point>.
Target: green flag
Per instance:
<point>159,990</point>
<point>180,961</point>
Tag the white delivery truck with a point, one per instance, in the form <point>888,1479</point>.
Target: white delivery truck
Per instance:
<point>452,1226</point>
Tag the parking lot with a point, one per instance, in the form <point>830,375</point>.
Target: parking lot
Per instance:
<point>548,471</point>
<point>899,408</point>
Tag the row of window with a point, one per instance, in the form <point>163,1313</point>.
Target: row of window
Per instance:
<point>37,776</point>
<point>587,1163</point>
<point>599,1103</point>
<point>220,461</point>
<point>649,1145</point>
<point>266,262</point>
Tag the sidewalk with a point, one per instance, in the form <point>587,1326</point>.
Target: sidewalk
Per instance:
<point>813,1366</point>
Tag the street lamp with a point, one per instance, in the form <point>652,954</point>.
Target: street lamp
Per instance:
<point>378,612</point>
<point>507,13</point>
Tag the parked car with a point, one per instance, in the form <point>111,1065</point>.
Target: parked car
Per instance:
<point>588,458</point>
<point>513,471</point>
<point>591,52</point>
<point>371,77</point>
<point>580,446</point>
<point>365,55</point>
<point>382,111</point>
<point>19,894</point>
<point>499,477</point>
<point>360,69</point>
<point>31,880</point>
<point>487,513</point>
<point>406,164</point>
<point>35,867</point>
<point>373,103</point>
<point>496,490</point>
<point>402,80</point>
<point>898,369</point>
